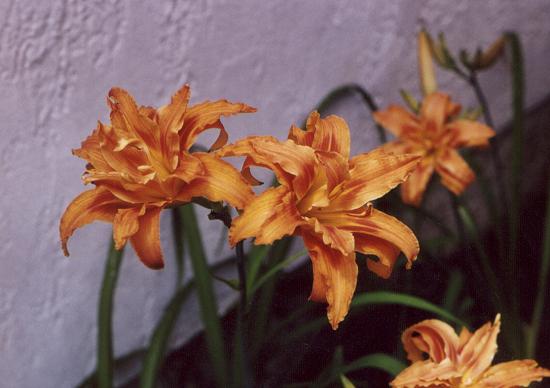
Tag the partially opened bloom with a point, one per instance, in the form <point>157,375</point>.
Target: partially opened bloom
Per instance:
<point>435,135</point>
<point>141,163</point>
<point>441,358</point>
<point>324,197</point>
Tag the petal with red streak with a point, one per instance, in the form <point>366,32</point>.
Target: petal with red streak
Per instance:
<point>455,173</point>
<point>334,278</point>
<point>412,190</point>
<point>268,217</point>
<point>92,205</point>
<point>468,133</point>
<point>146,241</point>
<point>220,181</point>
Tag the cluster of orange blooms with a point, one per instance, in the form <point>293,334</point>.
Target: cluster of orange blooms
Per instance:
<point>142,162</point>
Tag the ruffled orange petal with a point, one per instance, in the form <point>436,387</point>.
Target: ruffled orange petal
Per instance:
<point>518,373</point>
<point>90,150</point>
<point>126,224</point>
<point>434,111</point>
<point>170,119</point>
<point>427,374</point>
<point>330,134</point>
<point>455,173</point>
<point>468,133</point>
<point>92,205</point>
<point>386,253</point>
<point>478,353</point>
<point>370,178</point>
<point>189,167</point>
<point>268,217</point>
<point>146,241</point>
<point>334,278</point>
<point>398,121</point>
<point>371,222</point>
<point>432,337</point>
<point>295,166</point>
<point>220,181</point>
<point>412,190</point>
<point>137,124</point>
<point>332,236</point>
<point>335,167</point>
<point>206,115</point>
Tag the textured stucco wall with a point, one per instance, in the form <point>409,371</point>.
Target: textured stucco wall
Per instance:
<point>59,58</point>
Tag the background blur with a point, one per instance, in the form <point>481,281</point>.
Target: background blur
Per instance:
<point>58,59</point>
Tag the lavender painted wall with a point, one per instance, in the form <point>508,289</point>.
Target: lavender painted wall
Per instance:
<point>59,58</point>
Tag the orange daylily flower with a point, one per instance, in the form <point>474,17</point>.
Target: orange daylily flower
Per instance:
<point>324,197</point>
<point>141,164</point>
<point>460,360</point>
<point>435,136</point>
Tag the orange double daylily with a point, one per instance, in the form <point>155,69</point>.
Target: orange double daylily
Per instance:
<point>460,361</point>
<point>435,136</point>
<point>141,164</point>
<point>324,197</point>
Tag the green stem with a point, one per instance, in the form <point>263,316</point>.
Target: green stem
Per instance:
<point>177,232</point>
<point>105,319</point>
<point>542,285</point>
<point>241,267</point>
<point>205,291</point>
<point>517,154</point>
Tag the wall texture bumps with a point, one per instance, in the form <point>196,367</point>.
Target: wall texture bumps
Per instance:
<point>59,58</point>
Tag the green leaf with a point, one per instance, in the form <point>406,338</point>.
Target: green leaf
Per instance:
<point>386,297</point>
<point>276,268</point>
<point>255,259</point>
<point>205,292</point>
<point>454,287</point>
<point>380,361</point>
<point>516,166</point>
<point>542,284</point>
<point>105,318</point>
<point>159,340</point>
<point>177,232</point>
<point>346,383</point>
<point>232,283</point>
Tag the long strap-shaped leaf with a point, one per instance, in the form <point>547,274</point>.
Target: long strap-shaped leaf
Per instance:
<point>205,291</point>
<point>380,361</point>
<point>517,154</point>
<point>159,339</point>
<point>542,284</point>
<point>386,297</point>
<point>105,318</point>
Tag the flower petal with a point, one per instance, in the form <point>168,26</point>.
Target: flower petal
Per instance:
<point>478,353</point>
<point>93,205</point>
<point>398,121</point>
<point>371,222</point>
<point>220,181</point>
<point>386,253</point>
<point>433,337</point>
<point>332,236</point>
<point>126,224</point>
<point>434,111</point>
<point>412,190</point>
<point>146,241</point>
<point>455,173</point>
<point>336,168</point>
<point>518,373</point>
<point>330,134</point>
<point>267,217</point>
<point>170,118</point>
<point>206,115</point>
<point>427,374</point>
<point>295,166</point>
<point>334,278</point>
<point>468,133</point>
<point>370,178</point>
